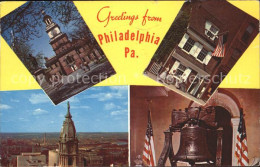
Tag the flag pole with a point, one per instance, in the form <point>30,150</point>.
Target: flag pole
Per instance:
<point>149,102</point>
<point>241,149</point>
<point>222,33</point>
<point>149,151</point>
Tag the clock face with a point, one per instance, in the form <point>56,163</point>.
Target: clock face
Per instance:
<point>50,34</point>
<point>54,32</point>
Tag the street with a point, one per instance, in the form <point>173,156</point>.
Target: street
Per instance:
<point>80,80</point>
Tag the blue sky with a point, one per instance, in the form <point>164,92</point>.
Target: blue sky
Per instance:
<point>42,44</point>
<point>99,109</point>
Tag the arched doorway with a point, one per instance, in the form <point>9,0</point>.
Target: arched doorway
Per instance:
<point>226,102</point>
<point>223,119</point>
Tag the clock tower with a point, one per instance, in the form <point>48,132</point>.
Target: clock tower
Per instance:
<point>68,143</point>
<point>70,55</point>
<point>58,40</point>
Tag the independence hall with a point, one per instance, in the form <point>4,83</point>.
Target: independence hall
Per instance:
<point>186,52</point>
<point>69,55</point>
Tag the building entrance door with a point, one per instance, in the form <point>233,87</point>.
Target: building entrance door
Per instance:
<point>195,85</point>
<point>223,119</point>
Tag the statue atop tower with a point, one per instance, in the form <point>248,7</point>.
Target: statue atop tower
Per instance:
<point>68,143</point>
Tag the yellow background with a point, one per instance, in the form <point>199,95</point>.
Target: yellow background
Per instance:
<point>245,74</point>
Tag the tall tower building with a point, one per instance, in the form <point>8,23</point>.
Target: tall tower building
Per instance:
<point>68,143</point>
<point>69,54</point>
<point>57,38</point>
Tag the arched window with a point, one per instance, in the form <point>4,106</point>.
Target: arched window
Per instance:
<point>69,59</point>
<point>247,34</point>
<point>49,20</point>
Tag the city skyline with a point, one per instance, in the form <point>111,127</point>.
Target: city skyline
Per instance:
<point>100,109</point>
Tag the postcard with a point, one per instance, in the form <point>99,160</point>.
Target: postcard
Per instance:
<point>54,43</point>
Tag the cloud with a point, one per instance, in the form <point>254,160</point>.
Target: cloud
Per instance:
<point>119,112</point>
<point>111,106</point>
<point>100,96</point>
<point>95,88</point>
<point>4,107</point>
<point>62,115</point>
<point>79,107</point>
<point>15,100</point>
<point>39,111</point>
<point>119,88</point>
<point>23,119</point>
<point>71,100</point>
<point>116,92</point>
<point>106,96</point>
<point>39,98</point>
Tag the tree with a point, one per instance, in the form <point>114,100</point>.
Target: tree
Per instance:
<point>175,33</point>
<point>25,54</point>
<point>26,21</point>
<point>82,31</point>
<point>23,50</point>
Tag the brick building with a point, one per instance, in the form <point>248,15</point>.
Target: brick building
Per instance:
<point>191,58</point>
<point>92,159</point>
<point>31,159</point>
<point>68,154</point>
<point>69,54</point>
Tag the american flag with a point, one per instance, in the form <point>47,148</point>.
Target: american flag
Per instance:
<point>149,153</point>
<point>241,149</point>
<point>221,47</point>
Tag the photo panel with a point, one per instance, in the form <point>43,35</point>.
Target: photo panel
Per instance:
<point>57,47</point>
<point>89,129</point>
<point>201,47</point>
<point>167,129</point>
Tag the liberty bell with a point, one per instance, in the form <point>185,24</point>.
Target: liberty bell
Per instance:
<point>193,145</point>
